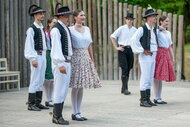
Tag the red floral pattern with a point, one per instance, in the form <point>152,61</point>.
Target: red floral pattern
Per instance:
<point>164,69</point>
<point>83,74</point>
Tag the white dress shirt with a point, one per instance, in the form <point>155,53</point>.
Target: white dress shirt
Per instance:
<point>135,40</point>
<point>124,34</point>
<point>164,39</point>
<point>29,51</point>
<point>56,51</point>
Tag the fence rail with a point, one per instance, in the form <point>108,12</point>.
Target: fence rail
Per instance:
<point>103,17</point>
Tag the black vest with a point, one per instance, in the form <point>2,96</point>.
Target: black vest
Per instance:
<point>38,42</point>
<point>64,38</point>
<point>145,39</point>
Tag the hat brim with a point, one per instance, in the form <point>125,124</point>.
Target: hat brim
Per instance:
<point>43,11</point>
<point>64,13</point>
<point>129,17</point>
<point>149,15</point>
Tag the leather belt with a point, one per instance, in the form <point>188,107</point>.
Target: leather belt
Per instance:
<point>68,61</point>
<point>125,46</point>
<point>39,52</point>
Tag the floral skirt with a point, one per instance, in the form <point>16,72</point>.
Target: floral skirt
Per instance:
<point>83,74</point>
<point>164,69</point>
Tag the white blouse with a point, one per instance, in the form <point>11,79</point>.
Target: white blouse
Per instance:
<point>124,34</point>
<point>80,39</point>
<point>164,39</point>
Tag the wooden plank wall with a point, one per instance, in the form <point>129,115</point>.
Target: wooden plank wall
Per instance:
<point>103,17</point>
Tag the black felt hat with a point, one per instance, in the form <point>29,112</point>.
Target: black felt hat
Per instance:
<point>34,9</point>
<point>149,12</point>
<point>63,10</point>
<point>129,16</point>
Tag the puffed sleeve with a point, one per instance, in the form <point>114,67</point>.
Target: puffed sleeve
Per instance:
<point>56,51</point>
<point>135,41</point>
<point>29,51</point>
<point>90,36</point>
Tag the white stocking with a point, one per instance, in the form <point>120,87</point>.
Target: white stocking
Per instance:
<point>74,93</point>
<point>79,99</point>
<point>47,89</point>
<point>156,87</point>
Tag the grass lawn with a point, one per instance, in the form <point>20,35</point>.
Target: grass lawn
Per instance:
<point>187,61</point>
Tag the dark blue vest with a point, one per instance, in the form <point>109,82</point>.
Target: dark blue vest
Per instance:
<point>64,38</point>
<point>38,42</point>
<point>145,39</point>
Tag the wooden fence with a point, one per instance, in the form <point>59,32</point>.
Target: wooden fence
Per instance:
<point>103,17</point>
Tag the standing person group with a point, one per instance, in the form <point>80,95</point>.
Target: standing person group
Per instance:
<point>62,57</point>
<point>67,52</point>
<point>146,41</point>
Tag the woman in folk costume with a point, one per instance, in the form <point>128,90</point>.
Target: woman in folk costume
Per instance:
<point>83,74</point>
<point>35,52</point>
<point>164,69</point>
<point>48,84</point>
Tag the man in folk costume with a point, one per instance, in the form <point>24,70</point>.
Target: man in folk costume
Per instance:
<point>144,41</point>
<point>123,34</point>
<point>61,61</point>
<point>35,52</point>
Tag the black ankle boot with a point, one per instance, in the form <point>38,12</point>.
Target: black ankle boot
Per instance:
<point>39,100</point>
<point>57,115</point>
<point>31,102</point>
<point>125,85</point>
<point>148,98</point>
<point>143,100</point>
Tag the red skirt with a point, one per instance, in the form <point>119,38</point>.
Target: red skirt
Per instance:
<point>164,69</point>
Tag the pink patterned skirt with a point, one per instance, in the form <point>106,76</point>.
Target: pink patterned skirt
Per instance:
<point>83,74</point>
<point>164,69</point>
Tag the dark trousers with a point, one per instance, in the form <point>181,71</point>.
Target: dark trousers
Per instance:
<point>126,60</point>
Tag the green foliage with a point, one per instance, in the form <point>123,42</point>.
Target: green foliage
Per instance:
<point>173,6</point>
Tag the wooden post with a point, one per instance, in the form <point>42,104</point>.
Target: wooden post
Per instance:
<point>2,33</point>
<point>170,22</point>
<point>104,11</point>
<point>174,35</point>
<point>94,33</point>
<point>120,24</point>
<point>110,49</point>
<point>159,15</point>
<point>100,48</point>
<point>180,44</point>
<point>84,9</point>
<point>116,74</point>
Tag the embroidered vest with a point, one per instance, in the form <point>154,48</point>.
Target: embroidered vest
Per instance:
<point>38,42</point>
<point>64,38</point>
<point>145,39</point>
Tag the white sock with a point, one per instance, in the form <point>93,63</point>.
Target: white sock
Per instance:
<point>74,93</point>
<point>79,100</point>
<point>156,88</point>
<point>160,90</point>
<point>46,87</point>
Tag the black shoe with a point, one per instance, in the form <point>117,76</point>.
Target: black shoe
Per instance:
<point>33,108</point>
<point>40,106</point>
<point>31,102</point>
<point>159,102</point>
<point>126,92</point>
<point>48,104</point>
<point>148,97</point>
<point>143,99</point>
<point>83,117</point>
<point>151,103</point>
<point>75,118</point>
<point>145,104</point>
<point>60,121</point>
